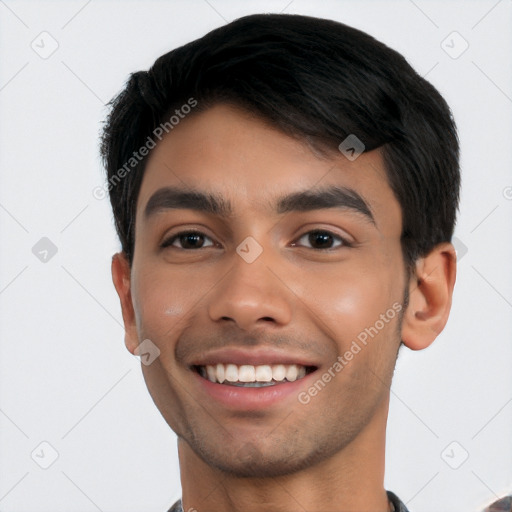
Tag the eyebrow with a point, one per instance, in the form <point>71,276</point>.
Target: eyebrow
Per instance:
<point>343,198</point>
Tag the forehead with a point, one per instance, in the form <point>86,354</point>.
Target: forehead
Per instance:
<point>240,159</point>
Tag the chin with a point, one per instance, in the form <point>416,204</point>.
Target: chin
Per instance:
<point>250,461</point>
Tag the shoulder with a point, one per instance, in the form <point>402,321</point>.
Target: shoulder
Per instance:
<point>397,502</point>
<point>501,505</point>
<point>176,507</point>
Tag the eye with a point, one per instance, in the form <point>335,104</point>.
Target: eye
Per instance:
<point>321,239</point>
<point>188,240</point>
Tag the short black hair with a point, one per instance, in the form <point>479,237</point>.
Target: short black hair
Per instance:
<point>314,79</point>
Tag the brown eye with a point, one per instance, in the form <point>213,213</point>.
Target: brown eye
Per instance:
<point>321,239</point>
<point>187,240</point>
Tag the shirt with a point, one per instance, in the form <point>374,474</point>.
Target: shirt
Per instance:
<point>396,504</point>
<point>502,505</point>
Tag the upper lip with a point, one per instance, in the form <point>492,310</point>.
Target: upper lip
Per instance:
<point>254,357</point>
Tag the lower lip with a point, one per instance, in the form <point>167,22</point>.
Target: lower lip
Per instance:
<point>250,399</point>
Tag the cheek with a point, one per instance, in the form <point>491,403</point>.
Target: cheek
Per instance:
<point>161,303</point>
<point>346,302</point>
<point>356,312</point>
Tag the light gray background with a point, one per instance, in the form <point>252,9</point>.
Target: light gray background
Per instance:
<point>65,376</point>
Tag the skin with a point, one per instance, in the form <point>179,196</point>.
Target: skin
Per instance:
<point>328,454</point>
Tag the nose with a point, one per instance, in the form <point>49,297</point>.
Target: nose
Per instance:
<point>251,294</point>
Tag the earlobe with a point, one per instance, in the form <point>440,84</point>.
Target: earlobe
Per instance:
<point>121,277</point>
<point>430,297</point>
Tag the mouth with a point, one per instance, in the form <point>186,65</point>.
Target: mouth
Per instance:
<point>250,376</point>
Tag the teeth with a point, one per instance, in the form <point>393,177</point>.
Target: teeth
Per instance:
<point>278,372</point>
<point>263,373</point>
<point>210,371</point>
<point>247,374</point>
<point>291,372</point>
<point>231,372</point>
<point>220,373</point>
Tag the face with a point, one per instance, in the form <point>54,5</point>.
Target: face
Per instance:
<point>275,258</point>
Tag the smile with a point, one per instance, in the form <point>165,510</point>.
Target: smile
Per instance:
<point>247,375</point>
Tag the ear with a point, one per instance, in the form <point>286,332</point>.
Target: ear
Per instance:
<point>430,297</point>
<point>121,276</point>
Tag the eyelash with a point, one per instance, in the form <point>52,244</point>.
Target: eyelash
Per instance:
<point>169,241</point>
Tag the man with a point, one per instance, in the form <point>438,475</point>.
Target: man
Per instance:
<point>285,191</point>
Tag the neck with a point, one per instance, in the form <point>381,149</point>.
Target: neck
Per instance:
<point>350,480</point>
